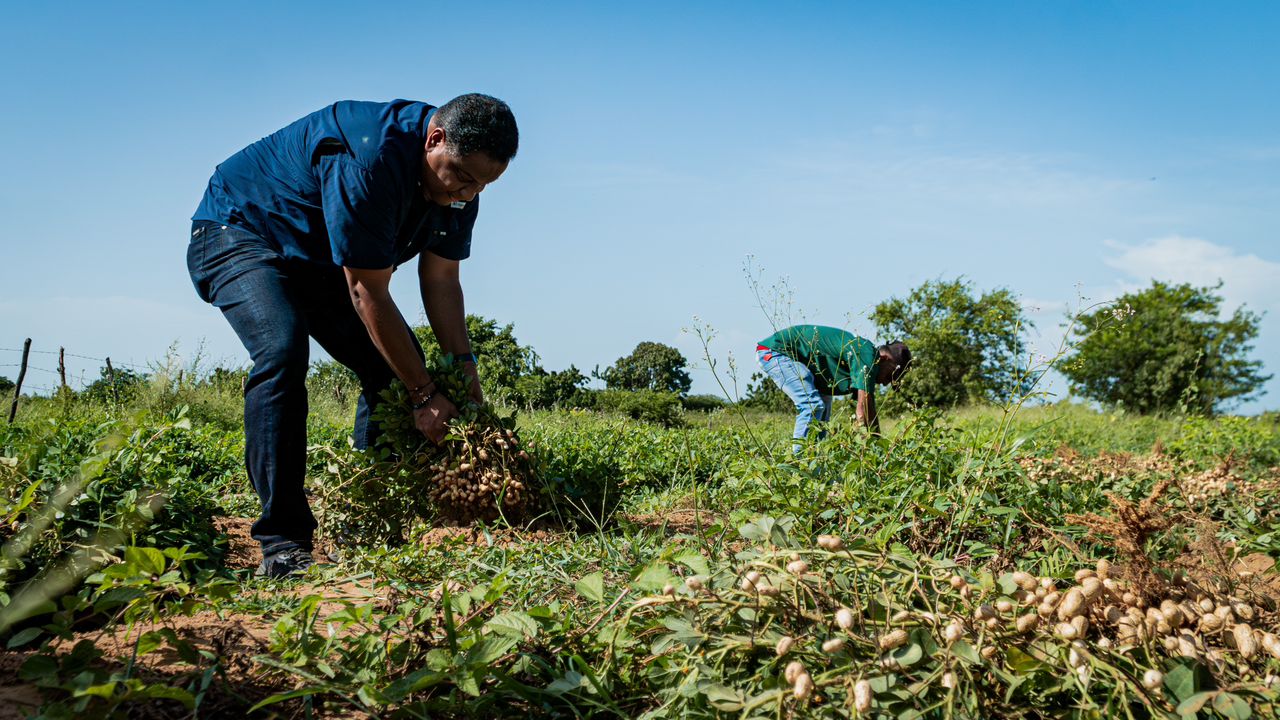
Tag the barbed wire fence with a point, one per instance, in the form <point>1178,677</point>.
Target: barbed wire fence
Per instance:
<point>24,365</point>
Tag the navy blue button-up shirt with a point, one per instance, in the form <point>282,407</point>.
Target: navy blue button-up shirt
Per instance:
<point>341,186</point>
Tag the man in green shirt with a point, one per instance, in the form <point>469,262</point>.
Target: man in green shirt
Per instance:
<point>811,363</point>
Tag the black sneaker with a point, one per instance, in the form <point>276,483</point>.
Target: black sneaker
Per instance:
<point>286,563</point>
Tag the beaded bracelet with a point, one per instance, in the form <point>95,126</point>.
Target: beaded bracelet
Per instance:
<point>418,405</point>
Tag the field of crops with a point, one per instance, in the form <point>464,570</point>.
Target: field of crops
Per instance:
<point>1053,562</point>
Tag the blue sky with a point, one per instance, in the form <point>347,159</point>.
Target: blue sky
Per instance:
<point>849,151</point>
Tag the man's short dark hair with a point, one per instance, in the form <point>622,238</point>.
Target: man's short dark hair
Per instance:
<point>479,123</point>
<point>901,356</point>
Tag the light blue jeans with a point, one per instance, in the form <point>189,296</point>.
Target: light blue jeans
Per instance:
<point>797,382</point>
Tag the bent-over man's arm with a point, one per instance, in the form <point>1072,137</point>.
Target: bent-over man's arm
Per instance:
<point>867,410</point>
<point>439,279</point>
<point>371,296</point>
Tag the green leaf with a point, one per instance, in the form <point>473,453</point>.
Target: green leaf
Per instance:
<point>654,576</point>
<point>883,683</point>
<point>282,697</point>
<point>513,624</point>
<point>1007,585</point>
<point>468,684</point>
<point>908,655</point>
<point>571,680</point>
<point>591,587</point>
<point>489,649</point>
<point>1233,706</point>
<point>146,559</point>
<point>104,690</point>
<point>1021,662</point>
<point>759,531</point>
<point>694,561</point>
<point>722,697</point>
<point>416,681</point>
<point>150,641</point>
<point>24,500</point>
<point>965,652</point>
<point>439,659</point>
<point>1193,704</point>
<point>38,668</point>
<point>1180,681</point>
<point>165,692</point>
<point>22,637</point>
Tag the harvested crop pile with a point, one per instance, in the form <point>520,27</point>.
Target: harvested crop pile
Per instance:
<point>483,474</point>
<point>480,472</point>
<point>844,625</point>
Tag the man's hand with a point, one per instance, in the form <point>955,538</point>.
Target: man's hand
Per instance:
<point>433,419</point>
<point>477,393</point>
<point>866,411</point>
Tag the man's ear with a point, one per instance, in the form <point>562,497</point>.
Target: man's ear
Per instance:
<point>435,137</point>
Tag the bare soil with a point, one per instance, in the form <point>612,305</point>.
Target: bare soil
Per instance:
<point>676,522</point>
<point>243,552</point>
<point>488,537</point>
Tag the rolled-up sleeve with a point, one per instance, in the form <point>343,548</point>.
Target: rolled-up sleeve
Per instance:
<point>360,213</point>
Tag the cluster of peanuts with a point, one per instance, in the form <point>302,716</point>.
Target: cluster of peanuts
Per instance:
<point>1189,622</point>
<point>486,474</point>
<point>1071,468</point>
<point>1209,485</point>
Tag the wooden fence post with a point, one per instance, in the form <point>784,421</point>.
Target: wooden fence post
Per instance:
<point>62,369</point>
<point>22,373</point>
<point>111,378</point>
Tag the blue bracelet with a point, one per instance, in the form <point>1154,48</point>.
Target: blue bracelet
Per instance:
<point>465,357</point>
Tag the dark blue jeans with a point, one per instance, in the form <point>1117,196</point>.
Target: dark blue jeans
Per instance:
<point>274,305</point>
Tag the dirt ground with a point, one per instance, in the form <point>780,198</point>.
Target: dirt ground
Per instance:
<point>675,522</point>
<point>16,700</point>
<point>488,537</point>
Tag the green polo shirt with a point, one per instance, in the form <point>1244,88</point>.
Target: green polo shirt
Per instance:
<point>841,362</point>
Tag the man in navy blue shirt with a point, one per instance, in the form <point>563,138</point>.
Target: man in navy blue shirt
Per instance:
<point>297,237</point>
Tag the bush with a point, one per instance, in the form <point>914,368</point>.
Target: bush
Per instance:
<point>562,388</point>
<point>592,460</point>
<point>123,388</point>
<point>703,403</point>
<point>105,485</point>
<point>1254,442</point>
<point>332,379</point>
<point>661,408</point>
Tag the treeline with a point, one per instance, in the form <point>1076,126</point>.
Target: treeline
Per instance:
<point>1168,348</point>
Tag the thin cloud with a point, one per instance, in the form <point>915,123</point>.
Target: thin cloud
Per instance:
<point>1246,278</point>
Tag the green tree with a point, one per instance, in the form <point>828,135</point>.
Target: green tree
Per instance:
<point>6,384</point>
<point>1166,348</point>
<point>764,394</point>
<point>501,359</point>
<point>965,347</point>
<point>125,385</point>
<point>334,379</point>
<point>651,366</point>
<point>561,388</point>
